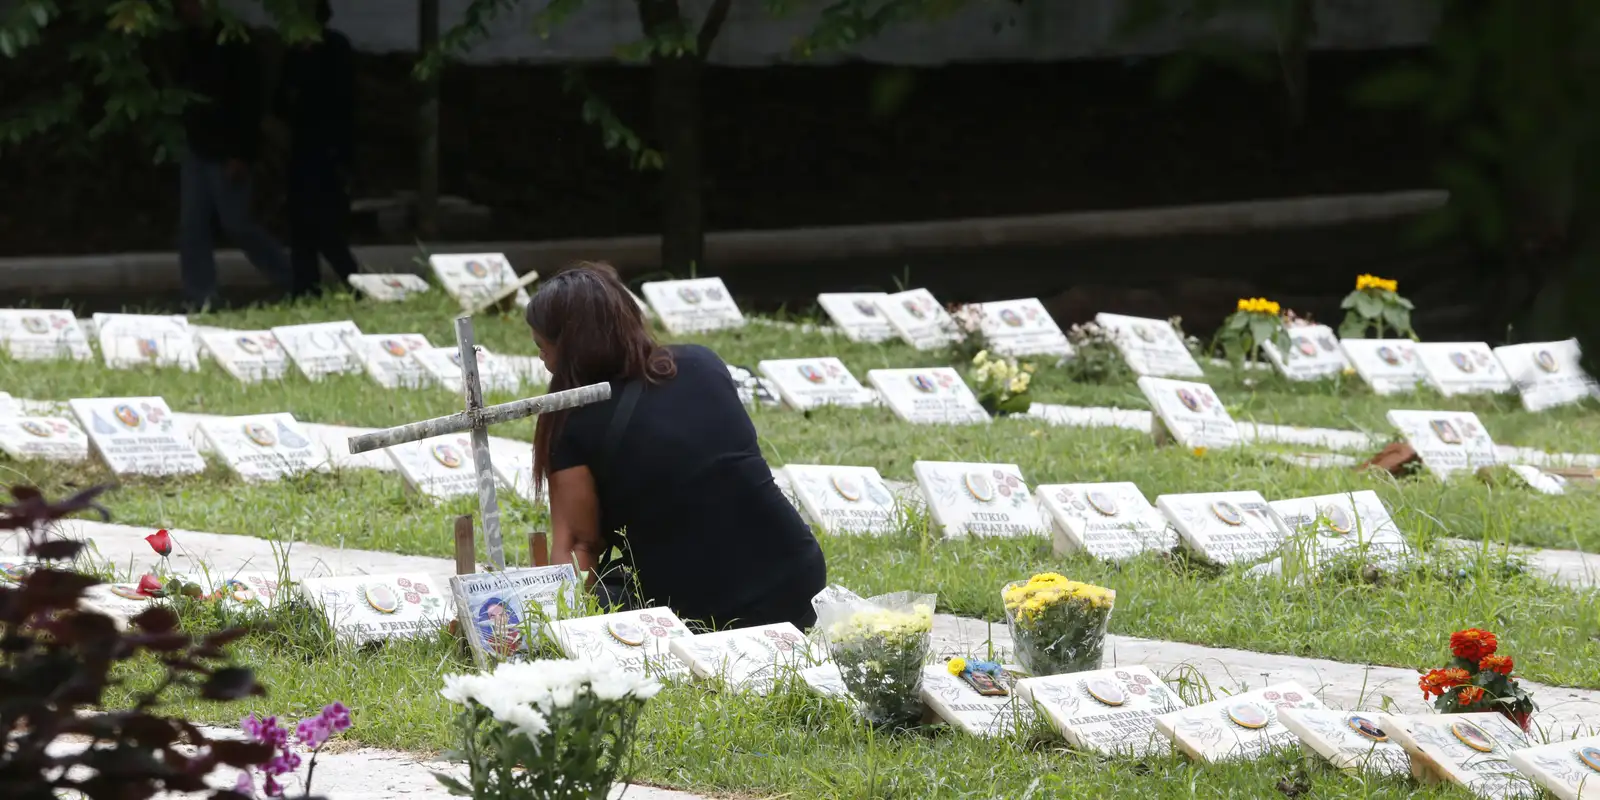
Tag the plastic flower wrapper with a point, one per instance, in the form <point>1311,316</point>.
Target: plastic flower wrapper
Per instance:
<point>880,644</point>
<point>1057,625</point>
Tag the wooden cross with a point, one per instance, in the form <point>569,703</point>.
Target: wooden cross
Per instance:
<point>477,418</point>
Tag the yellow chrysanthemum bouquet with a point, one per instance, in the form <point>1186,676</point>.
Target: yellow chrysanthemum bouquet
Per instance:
<point>1374,309</point>
<point>1001,384</point>
<point>1253,323</point>
<point>880,644</point>
<point>1058,625</point>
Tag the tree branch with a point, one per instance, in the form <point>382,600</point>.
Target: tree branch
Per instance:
<point>711,27</point>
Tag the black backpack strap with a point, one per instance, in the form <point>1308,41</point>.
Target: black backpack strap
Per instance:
<point>619,423</point>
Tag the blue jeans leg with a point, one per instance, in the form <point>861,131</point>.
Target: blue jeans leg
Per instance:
<point>232,200</point>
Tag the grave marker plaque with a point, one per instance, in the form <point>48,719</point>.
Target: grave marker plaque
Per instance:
<point>1547,374</point>
<point>1332,524</point>
<point>440,467</point>
<point>1150,346</point>
<point>475,278</point>
<point>387,358</point>
<point>857,315</point>
<point>388,287</point>
<point>263,447</point>
<point>136,435</point>
<point>1224,527</point>
<point>1570,770</point>
<point>1470,750</point>
<point>956,702</point>
<point>134,340</point>
<point>1109,711</point>
<point>31,335</point>
<point>807,383</point>
<point>1354,741</point>
<point>1313,354</point>
<point>1189,413</point>
<point>1022,328</point>
<point>249,356</point>
<point>844,499</point>
<point>753,389</point>
<point>443,364</point>
<point>749,659</point>
<point>366,608</point>
<point>1112,521</point>
<point>930,396</point>
<point>979,499</point>
<point>1447,441</point>
<point>1389,366</point>
<point>697,304</point>
<point>1242,727</point>
<point>1539,480</point>
<point>636,641</point>
<point>1453,368</point>
<point>919,319</point>
<point>318,349</point>
<point>48,438</point>
<point>495,609</point>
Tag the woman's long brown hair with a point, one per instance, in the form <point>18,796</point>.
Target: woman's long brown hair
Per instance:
<point>599,334</point>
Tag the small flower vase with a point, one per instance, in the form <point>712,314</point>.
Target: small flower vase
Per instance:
<point>1057,626</point>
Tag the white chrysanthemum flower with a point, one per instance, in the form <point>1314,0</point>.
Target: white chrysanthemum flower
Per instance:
<point>525,721</point>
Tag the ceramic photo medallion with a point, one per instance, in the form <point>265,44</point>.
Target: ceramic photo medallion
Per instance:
<point>387,358</point>
<point>136,340</point>
<point>136,435</point>
<point>1354,741</point>
<point>1389,366</point>
<point>475,278</point>
<point>1333,524</point>
<point>918,319</point>
<point>249,356</point>
<point>1546,374</point>
<point>318,349</point>
<point>365,608</point>
<point>929,396</point>
<point>808,383</point>
<point>388,287</point>
<point>753,389</point>
<point>844,499</point>
<point>1150,346</point>
<point>637,641</point>
<point>1224,527</point>
<point>1470,750</point>
<point>749,659</point>
<point>857,315</point>
<point>696,304</point>
<point>979,499</point>
<point>1447,441</point>
<point>48,438</point>
<point>443,365</point>
<point>1539,480</point>
<point>981,701</point>
<point>1239,727</point>
<point>1189,413</point>
<point>440,467</point>
<point>263,447</point>
<point>40,335</point>
<point>1111,521</point>
<point>1313,354</point>
<point>1022,328</point>
<point>1108,711</point>
<point>1453,368</point>
<point>497,610</point>
<point>1568,770</point>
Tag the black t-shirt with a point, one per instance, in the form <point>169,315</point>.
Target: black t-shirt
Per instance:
<point>707,530</point>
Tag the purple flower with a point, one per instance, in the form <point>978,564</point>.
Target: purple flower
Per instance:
<point>245,785</point>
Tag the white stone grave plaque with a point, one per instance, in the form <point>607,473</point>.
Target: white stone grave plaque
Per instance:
<point>1332,524</point>
<point>1354,741</point>
<point>263,447</point>
<point>1570,770</point>
<point>979,499</point>
<point>387,358</point>
<point>1447,441</point>
<point>636,641</point>
<point>495,609</point>
<point>43,335</point>
<point>1190,412</point>
<point>697,304</point>
<point>857,314</point>
<point>529,370</point>
<point>388,287</point>
<point>1389,366</point>
<point>440,467</point>
<point>1108,711</point>
<point>1022,328</point>
<point>1224,527</point>
<point>1470,750</point>
<point>136,435</point>
<point>513,466</point>
<point>749,659</point>
<point>1547,374</point>
<point>961,706</point>
<point>918,319</point>
<point>11,407</point>
<point>133,340</point>
<point>1313,354</point>
<point>1150,346</point>
<point>248,356</point>
<point>929,396</point>
<point>1242,727</point>
<point>1453,368</point>
<point>844,499</point>
<point>318,349</point>
<point>50,438</point>
<point>1106,520</point>
<point>366,608</point>
<point>443,364</point>
<point>807,383</point>
<point>826,681</point>
<point>475,278</point>
<point>1539,480</point>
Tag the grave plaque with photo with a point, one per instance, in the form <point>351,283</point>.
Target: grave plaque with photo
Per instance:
<point>365,608</point>
<point>918,319</point>
<point>751,659</point>
<point>929,396</point>
<point>1022,328</point>
<point>1453,368</point>
<point>1150,346</point>
<point>440,467</point>
<point>1242,727</point>
<point>1353,741</point>
<point>1313,354</point>
<point>1447,441</point>
<point>249,356</point>
<point>387,358</point>
<point>136,435</point>
<point>318,349</point>
<point>264,447</point>
<point>1112,521</point>
<point>979,499</point>
<point>1569,770</point>
<point>996,710</point>
<point>497,609</point>
<point>1224,527</point>
<point>1547,374</point>
<point>1108,711</point>
<point>844,499</point>
<point>136,340</point>
<point>636,641</point>
<point>808,383</point>
<point>857,314</point>
<point>1189,413</point>
<point>443,365</point>
<point>42,335</point>
<point>475,278</point>
<point>1470,750</point>
<point>49,438</point>
<point>388,287</point>
<point>1389,366</point>
<point>697,304</point>
<point>1333,524</point>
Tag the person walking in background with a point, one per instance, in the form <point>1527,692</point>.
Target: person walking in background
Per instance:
<point>222,129</point>
<point>316,99</point>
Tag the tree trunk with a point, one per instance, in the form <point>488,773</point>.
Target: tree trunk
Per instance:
<point>677,124</point>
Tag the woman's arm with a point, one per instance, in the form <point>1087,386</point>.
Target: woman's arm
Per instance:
<point>575,520</point>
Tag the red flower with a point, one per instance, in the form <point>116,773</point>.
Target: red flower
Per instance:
<point>1436,682</point>
<point>161,542</point>
<point>1473,644</point>
<point>1470,695</point>
<point>1500,664</point>
<point>150,585</point>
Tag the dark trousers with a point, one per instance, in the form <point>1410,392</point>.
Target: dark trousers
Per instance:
<point>319,211</point>
<point>206,193</point>
<point>790,602</point>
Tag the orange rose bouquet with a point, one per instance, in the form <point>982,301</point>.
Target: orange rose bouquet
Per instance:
<point>1478,679</point>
